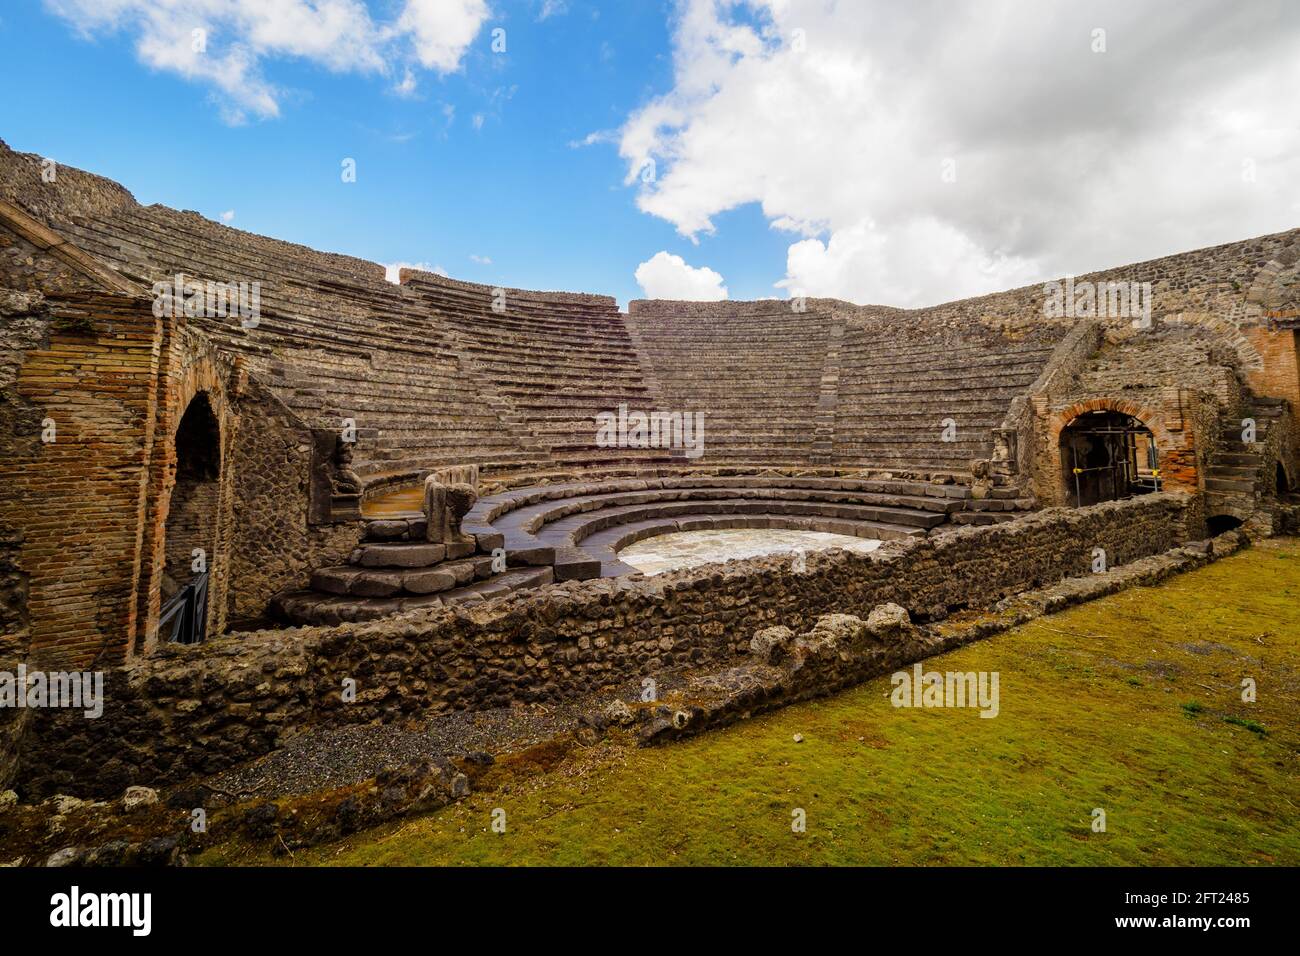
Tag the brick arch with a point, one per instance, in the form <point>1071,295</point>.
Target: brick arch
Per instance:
<point>193,368</point>
<point>1248,357</point>
<point>1147,416</point>
<point>1176,456</point>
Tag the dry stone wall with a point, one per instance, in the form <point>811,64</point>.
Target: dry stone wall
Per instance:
<point>275,545</point>
<point>193,710</point>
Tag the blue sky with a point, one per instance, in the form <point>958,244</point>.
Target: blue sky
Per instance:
<point>430,188</point>
<point>876,151</point>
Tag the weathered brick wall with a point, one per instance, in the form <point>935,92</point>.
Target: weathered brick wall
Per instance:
<point>189,366</point>
<point>191,525</point>
<point>88,370</point>
<point>24,325</point>
<point>198,709</point>
<point>1279,378</point>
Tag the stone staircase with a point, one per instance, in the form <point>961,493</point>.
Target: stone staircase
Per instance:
<point>394,571</point>
<point>573,531</point>
<point>823,450</point>
<point>1237,468</point>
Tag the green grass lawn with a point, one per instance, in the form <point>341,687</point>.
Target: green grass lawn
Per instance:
<point>1131,704</point>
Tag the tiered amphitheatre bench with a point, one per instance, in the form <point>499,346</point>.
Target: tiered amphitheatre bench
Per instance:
<point>574,530</point>
<point>755,371</point>
<point>556,360</point>
<point>334,339</point>
<point>896,390</point>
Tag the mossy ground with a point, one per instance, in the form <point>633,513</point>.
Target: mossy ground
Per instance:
<point>1131,704</point>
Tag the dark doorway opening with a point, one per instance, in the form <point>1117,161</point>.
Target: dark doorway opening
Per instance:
<point>1218,524</point>
<point>1108,456</point>
<point>191,530</point>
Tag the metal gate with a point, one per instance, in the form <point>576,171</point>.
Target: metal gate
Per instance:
<point>184,617</point>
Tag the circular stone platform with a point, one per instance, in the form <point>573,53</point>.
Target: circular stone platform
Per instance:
<point>689,549</point>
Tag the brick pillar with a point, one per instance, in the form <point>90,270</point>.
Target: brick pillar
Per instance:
<point>1280,375</point>
<point>79,495</point>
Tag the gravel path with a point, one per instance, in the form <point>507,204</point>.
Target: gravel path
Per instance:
<point>338,757</point>
<point>324,759</point>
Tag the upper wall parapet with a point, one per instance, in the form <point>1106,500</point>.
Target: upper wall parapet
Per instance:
<point>1242,282</point>
<point>433,282</point>
<point>73,192</point>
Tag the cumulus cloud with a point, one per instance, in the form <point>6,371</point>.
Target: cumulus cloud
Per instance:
<point>228,216</point>
<point>442,29</point>
<point>225,43</point>
<point>666,276</point>
<point>480,260</point>
<point>927,151</point>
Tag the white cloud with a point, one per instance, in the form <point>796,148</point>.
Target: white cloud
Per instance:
<point>552,8</point>
<point>863,264</point>
<point>228,216</point>
<point>666,276</point>
<point>392,271</point>
<point>837,119</point>
<point>591,139</point>
<point>407,85</point>
<point>480,260</point>
<point>225,43</point>
<point>442,29</point>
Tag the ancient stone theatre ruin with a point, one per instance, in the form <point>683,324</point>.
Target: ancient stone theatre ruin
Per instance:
<point>230,498</point>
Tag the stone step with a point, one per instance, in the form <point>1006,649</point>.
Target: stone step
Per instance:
<point>1236,472</point>
<point>411,553</point>
<point>1229,484</point>
<point>388,582</point>
<point>312,608</point>
<point>1242,459</point>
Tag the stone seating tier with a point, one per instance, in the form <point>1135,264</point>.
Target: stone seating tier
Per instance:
<point>757,377</point>
<point>431,373</point>
<point>365,351</point>
<point>572,530</point>
<point>555,364</point>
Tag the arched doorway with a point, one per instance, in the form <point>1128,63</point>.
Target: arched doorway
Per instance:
<point>1106,456</point>
<point>190,534</point>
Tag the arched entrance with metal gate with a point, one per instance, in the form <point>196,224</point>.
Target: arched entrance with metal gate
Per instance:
<point>1107,455</point>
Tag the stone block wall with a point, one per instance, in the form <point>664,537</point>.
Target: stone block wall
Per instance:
<point>192,710</point>
<point>274,543</point>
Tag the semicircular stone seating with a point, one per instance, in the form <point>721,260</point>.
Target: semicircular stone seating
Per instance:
<point>530,536</point>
